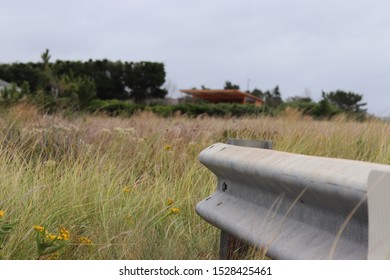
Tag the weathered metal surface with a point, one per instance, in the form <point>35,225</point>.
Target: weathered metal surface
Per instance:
<point>264,144</point>
<point>232,247</point>
<point>294,206</point>
<point>379,215</point>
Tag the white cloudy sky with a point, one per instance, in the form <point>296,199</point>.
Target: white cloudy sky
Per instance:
<point>304,46</point>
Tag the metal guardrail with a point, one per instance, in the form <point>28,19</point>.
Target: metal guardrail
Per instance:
<point>299,207</point>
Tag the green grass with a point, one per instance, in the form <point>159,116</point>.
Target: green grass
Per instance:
<point>109,179</point>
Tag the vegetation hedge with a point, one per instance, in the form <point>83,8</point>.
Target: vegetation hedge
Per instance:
<point>117,107</point>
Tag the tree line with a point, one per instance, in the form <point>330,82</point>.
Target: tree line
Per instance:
<point>110,85</point>
<point>76,83</point>
<point>330,104</point>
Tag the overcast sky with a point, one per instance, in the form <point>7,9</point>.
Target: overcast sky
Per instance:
<point>304,46</point>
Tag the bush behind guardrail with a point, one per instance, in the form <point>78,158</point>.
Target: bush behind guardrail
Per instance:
<point>116,107</point>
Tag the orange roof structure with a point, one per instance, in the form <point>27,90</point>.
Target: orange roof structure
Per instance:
<point>225,96</point>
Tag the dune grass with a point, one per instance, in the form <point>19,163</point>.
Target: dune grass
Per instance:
<point>126,188</point>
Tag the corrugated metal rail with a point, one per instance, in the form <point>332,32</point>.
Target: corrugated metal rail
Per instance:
<point>299,207</point>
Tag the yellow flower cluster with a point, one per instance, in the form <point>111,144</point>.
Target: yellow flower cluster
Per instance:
<point>170,201</point>
<point>2,213</point>
<point>174,210</point>
<point>85,240</point>
<point>39,228</point>
<point>126,189</point>
<point>168,148</point>
<point>64,233</point>
<point>51,236</point>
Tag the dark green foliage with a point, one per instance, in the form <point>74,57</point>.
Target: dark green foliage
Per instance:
<point>331,104</point>
<point>116,107</point>
<point>324,109</point>
<point>320,110</point>
<point>5,229</point>
<point>25,88</point>
<point>21,72</point>
<point>273,98</point>
<point>229,85</point>
<point>300,99</point>
<point>108,77</point>
<point>257,92</point>
<point>75,92</point>
<point>11,95</point>
<point>144,80</point>
<point>108,86</point>
<point>86,91</point>
<point>118,80</point>
<point>113,107</point>
<point>217,110</point>
<point>347,101</point>
<point>62,89</point>
<point>306,108</point>
<point>103,79</point>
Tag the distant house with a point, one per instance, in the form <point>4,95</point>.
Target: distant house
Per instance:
<point>225,96</point>
<point>4,84</point>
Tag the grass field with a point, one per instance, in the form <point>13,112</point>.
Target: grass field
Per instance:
<point>96,187</point>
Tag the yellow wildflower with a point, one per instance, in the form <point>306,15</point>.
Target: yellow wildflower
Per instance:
<point>170,201</point>
<point>64,234</point>
<point>51,236</point>
<point>126,189</point>
<point>39,228</point>
<point>2,213</point>
<point>85,240</point>
<point>175,210</point>
<point>168,148</point>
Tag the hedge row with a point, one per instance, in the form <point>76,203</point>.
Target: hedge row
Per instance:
<point>116,107</point>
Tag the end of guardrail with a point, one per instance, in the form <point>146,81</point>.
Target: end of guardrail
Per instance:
<point>298,207</point>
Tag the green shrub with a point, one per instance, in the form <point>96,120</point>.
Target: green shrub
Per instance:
<point>113,107</point>
<point>220,110</point>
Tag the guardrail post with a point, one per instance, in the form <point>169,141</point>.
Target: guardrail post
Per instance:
<point>232,247</point>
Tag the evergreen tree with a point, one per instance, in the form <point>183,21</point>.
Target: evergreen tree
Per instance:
<point>346,101</point>
<point>229,85</point>
<point>257,92</point>
<point>145,80</point>
<point>273,98</point>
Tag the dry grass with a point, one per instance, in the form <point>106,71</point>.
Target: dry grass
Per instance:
<point>112,179</point>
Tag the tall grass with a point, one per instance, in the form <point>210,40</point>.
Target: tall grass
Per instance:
<point>130,185</point>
